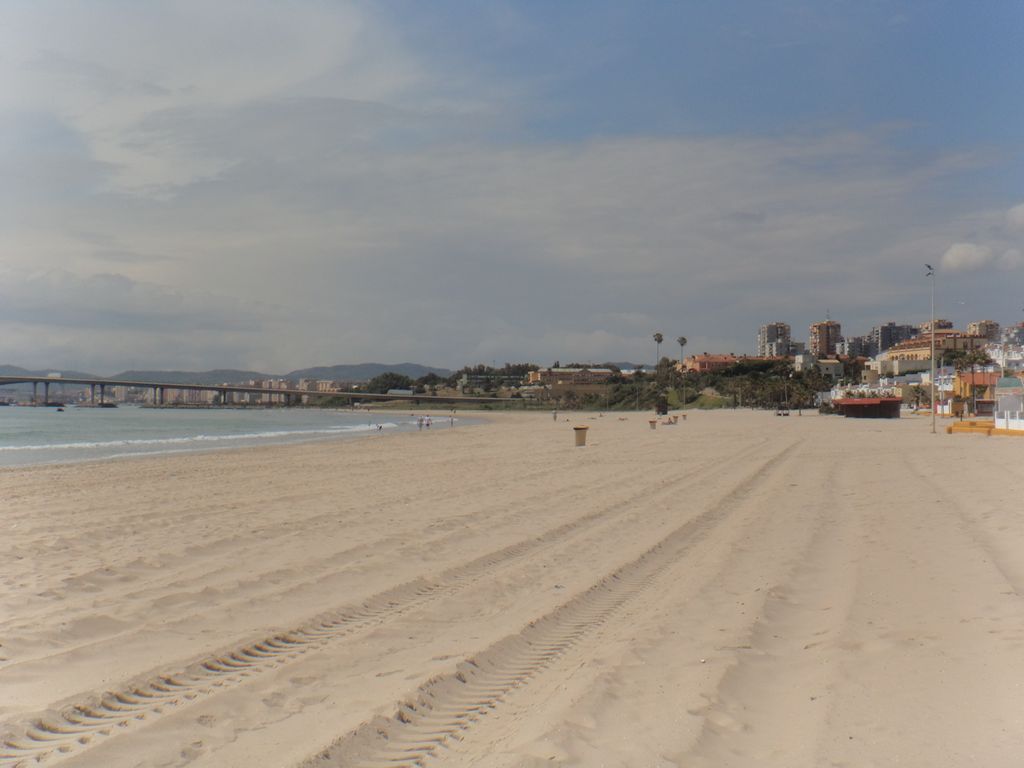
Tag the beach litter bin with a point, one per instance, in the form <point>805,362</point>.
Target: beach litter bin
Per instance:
<point>581,436</point>
<point>653,423</point>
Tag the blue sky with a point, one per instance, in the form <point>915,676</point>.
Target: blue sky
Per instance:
<point>450,183</point>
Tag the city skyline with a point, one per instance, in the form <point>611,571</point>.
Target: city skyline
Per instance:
<point>323,184</point>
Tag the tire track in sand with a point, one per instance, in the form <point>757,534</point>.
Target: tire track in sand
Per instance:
<point>77,726</point>
<point>446,707</point>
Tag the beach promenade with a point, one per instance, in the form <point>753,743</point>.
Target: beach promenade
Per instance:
<point>735,590</point>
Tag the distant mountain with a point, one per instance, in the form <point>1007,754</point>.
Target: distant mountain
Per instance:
<point>354,373</point>
<point>14,370</point>
<point>218,376</point>
<point>365,371</point>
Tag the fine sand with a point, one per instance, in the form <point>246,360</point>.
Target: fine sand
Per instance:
<point>736,590</point>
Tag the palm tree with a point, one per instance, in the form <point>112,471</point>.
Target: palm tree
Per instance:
<point>658,338</point>
<point>976,357</point>
<point>681,341</point>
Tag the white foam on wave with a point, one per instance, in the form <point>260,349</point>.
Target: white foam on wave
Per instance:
<point>200,440</point>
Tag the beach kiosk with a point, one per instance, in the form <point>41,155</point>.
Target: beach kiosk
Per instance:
<point>869,407</point>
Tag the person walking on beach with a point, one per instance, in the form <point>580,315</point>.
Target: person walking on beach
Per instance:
<point>419,423</point>
<point>554,415</point>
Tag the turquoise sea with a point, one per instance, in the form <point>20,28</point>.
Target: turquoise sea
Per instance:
<point>31,435</point>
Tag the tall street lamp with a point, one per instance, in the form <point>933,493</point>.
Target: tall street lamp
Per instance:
<point>931,274</point>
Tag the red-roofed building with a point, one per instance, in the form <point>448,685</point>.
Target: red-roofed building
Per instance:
<point>967,384</point>
<point>704,363</point>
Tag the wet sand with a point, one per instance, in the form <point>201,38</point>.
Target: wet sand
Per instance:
<point>736,590</point>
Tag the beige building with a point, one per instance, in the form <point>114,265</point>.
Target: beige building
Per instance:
<point>920,347</point>
<point>570,376</point>
<point>824,337</point>
<point>987,328</point>
<point>941,324</point>
<point>874,369</point>
<point>703,363</point>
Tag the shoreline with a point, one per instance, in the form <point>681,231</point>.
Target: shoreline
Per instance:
<point>225,442</point>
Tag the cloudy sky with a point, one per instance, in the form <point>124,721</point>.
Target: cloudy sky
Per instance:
<point>278,185</point>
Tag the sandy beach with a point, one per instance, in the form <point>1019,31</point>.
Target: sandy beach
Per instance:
<point>736,590</point>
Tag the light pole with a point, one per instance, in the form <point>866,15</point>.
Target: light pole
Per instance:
<point>931,274</point>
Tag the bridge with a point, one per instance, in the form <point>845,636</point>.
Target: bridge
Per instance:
<point>227,391</point>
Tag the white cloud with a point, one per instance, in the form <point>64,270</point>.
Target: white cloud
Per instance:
<point>966,256</point>
<point>1015,219</point>
<point>1011,258</point>
<point>449,252</point>
<point>105,69</point>
<point>305,190</point>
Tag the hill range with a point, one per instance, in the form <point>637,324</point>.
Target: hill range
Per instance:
<point>357,373</point>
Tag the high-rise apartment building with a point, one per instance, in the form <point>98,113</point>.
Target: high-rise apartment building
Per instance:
<point>824,337</point>
<point>890,334</point>
<point>940,325</point>
<point>773,340</point>
<point>858,346</point>
<point>987,328</point>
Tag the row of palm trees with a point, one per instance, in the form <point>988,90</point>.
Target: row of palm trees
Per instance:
<point>681,341</point>
<point>658,338</point>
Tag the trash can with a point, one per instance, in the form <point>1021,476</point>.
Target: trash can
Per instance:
<point>653,423</point>
<point>581,436</point>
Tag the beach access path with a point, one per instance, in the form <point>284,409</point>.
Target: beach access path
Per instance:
<point>735,590</point>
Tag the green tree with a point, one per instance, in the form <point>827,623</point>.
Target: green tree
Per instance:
<point>390,380</point>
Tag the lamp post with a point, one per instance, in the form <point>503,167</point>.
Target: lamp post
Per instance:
<point>931,274</point>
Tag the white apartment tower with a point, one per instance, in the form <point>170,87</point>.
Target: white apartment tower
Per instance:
<point>773,340</point>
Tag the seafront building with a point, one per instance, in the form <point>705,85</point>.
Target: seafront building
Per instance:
<point>549,376</point>
<point>920,347</point>
<point>857,346</point>
<point>705,363</point>
<point>941,324</point>
<point>988,329</point>
<point>773,340</point>
<point>829,368</point>
<point>824,338</point>
<point>890,334</point>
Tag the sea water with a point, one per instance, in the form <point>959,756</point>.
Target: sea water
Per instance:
<point>38,435</point>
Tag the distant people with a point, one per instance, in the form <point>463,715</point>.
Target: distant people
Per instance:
<point>554,415</point>
<point>426,422</point>
<point>419,423</point>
